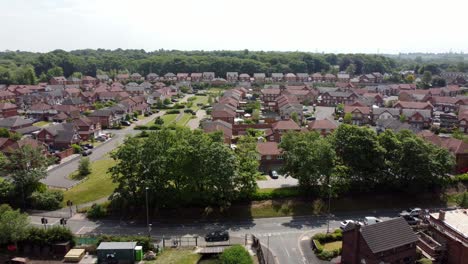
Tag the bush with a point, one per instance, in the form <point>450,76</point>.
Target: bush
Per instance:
<point>49,236</point>
<point>48,200</point>
<point>280,193</point>
<point>84,167</point>
<point>326,255</point>
<point>159,121</point>
<point>189,111</point>
<point>235,255</point>
<point>173,111</point>
<point>424,261</point>
<point>142,127</point>
<point>155,127</point>
<point>318,246</point>
<point>96,211</point>
<point>76,148</point>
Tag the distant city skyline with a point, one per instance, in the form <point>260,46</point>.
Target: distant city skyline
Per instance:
<point>332,26</point>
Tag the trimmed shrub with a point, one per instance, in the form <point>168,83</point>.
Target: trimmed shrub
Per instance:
<point>173,111</point>
<point>142,127</point>
<point>279,193</point>
<point>235,255</point>
<point>76,148</point>
<point>96,211</point>
<point>155,127</point>
<point>55,234</point>
<point>47,200</point>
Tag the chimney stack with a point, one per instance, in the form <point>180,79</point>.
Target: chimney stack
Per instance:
<point>441,215</point>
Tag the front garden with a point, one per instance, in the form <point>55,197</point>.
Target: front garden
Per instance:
<point>327,246</point>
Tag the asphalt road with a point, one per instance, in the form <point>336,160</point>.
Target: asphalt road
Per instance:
<point>285,236</point>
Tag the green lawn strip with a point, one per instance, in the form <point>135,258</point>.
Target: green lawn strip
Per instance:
<point>97,185</point>
<point>199,100</point>
<point>332,245</point>
<point>262,177</point>
<point>41,123</point>
<point>176,256</point>
<point>184,119</point>
<point>169,119</point>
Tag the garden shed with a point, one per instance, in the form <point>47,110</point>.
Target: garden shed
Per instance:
<point>116,252</point>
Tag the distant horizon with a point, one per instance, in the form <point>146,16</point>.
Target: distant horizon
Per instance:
<point>266,51</point>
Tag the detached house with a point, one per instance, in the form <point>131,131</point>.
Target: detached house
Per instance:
<point>152,77</point>
<point>219,125</point>
<point>417,118</point>
<point>196,77</point>
<point>269,155</point>
<point>87,128</point>
<point>60,136</point>
<point>226,115</point>
<point>136,77</point>
<point>232,77</point>
<point>19,125</point>
<point>391,241</point>
<point>105,117</point>
<point>259,77</point>
<point>8,109</point>
<point>58,80</point>
<point>360,114</point>
<point>208,76</point>
<point>281,127</point>
<point>277,77</point>
<point>323,127</point>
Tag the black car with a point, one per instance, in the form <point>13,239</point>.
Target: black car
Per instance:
<point>125,123</point>
<point>411,220</point>
<point>217,236</point>
<point>89,146</point>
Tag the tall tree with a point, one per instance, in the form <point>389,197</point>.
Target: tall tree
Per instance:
<point>13,225</point>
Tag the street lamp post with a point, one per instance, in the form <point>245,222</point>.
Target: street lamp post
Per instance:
<point>147,213</point>
<point>329,205</point>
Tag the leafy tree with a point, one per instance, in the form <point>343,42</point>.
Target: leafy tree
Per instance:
<point>167,101</point>
<point>54,72</point>
<point>438,82</point>
<point>159,121</point>
<point>402,118</point>
<point>4,133</point>
<point>359,150</point>
<point>426,79</point>
<point>464,200</point>
<point>295,117</point>
<point>348,118</point>
<point>410,78</point>
<point>308,158</point>
<point>247,162</point>
<point>13,225</point>
<point>26,166</point>
<point>6,189</point>
<point>84,167</point>
<point>77,75</point>
<point>351,69</point>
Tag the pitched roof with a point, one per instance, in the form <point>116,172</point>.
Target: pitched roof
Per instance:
<point>14,121</point>
<point>363,109</point>
<point>413,105</point>
<point>4,106</point>
<point>322,124</point>
<point>286,125</point>
<point>268,148</point>
<point>388,234</point>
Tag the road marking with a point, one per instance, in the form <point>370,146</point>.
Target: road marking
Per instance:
<point>304,238</point>
<point>79,231</point>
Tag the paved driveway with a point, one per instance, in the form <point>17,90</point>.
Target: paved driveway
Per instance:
<point>277,183</point>
<point>323,112</point>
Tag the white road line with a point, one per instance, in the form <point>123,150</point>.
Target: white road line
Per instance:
<point>79,231</point>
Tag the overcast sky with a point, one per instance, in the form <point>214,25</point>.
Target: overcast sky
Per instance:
<point>369,26</point>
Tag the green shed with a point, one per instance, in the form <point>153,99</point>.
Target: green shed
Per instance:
<point>116,252</point>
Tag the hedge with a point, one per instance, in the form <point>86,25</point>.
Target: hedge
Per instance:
<point>321,238</point>
<point>280,193</point>
<point>173,111</point>
<point>236,254</point>
<point>51,235</point>
<point>46,200</point>
<point>142,127</point>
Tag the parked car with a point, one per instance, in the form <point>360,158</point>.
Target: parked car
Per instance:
<point>344,223</point>
<point>135,119</point>
<point>310,118</point>
<point>370,220</point>
<point>101,138</point>
<point>412,212</point>
<point>89,146</point>
<point>125,123</point>
<point>274,174</point>
<point>217,236</point>
<point>86,152</point>
<point>340,119</point>
<point>411,220</point>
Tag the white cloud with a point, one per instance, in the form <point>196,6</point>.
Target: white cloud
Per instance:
<point>308,25</point>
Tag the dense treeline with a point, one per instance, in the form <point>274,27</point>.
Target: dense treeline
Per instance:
<point>91,62</point>
<point>182,167</point>
<point>357,159</point>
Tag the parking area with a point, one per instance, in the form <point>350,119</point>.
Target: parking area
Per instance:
<point>277,183</point>
<point>323,112</point>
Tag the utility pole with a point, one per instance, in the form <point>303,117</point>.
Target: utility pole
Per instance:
<point>329,205</point>
<point>147,213</point>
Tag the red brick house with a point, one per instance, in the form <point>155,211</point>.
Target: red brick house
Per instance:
<point>281,127</point>
<point>360,114</point>
<point>18,124</point>
<point>269,156</point>
<point>7,96</point>
<point>219,125</point>
<point>417,118</point>
<point>455,146</point>
<point>413,105</point>
<point>196,76</point>
<point>59,136</point>
<point>323,127</point>
<point>317,77</point>
<point>446,240</point>
<point>244,77</point>
<point>226,115</point>
<point>335,98</point>
<point>105,117</point>
<point>87,128</point>
<point>89,80</point>
<point>391,241</point>
<point>8,146</point>
<point>8,109</point>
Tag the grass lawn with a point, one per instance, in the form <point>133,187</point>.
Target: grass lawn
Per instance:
<point>96,186</point>
<point>199,100</point>
<point>184,119</point>
<point>41,123</point>
<point>168,119</point>
<point>262,177</point>
<point>216,90</point>
<point>176,256</point>
<point>332,245</point>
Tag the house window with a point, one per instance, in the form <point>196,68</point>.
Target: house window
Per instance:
<point>280,157</point>
<point>268,157</point>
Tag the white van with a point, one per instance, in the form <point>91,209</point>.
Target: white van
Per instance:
<point>369,220</point>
